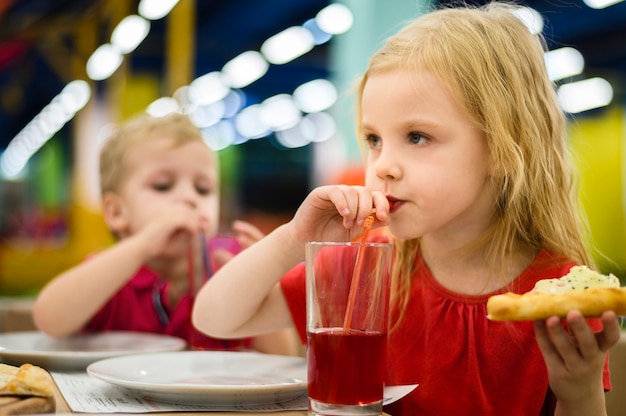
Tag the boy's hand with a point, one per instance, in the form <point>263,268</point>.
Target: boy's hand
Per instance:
<point>170,231</point>
<point>247,233</point>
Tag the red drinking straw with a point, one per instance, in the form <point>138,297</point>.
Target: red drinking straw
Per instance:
<point>356,274</point>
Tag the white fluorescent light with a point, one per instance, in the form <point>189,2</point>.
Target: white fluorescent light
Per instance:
<point>335,19</point>
<point>601,4</point>
<point>104,62</point>
<point>287,45</point>
<point>564,62</point>
<point>531,18</point>
<point>208,89</point>
<point>129,33</point>
<point>163,106</point>
<point>314,96</point>
<point>156,9</point>
<point>280,112</point>
<point>588,94</point>
<point>249,123</point>
<point>244,69</point>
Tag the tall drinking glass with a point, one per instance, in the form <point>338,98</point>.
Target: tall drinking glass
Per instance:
<point>347,318</point>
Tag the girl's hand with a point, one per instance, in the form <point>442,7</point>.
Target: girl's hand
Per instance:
<point>575,359</point>
<point>337,213</point>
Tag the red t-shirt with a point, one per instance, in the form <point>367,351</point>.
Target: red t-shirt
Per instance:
<point>464,363</point>
<point>141,305</point>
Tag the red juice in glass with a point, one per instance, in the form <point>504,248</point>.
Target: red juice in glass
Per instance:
<point>345,366</point>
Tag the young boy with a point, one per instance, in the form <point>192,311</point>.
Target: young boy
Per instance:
<point>160,190</point>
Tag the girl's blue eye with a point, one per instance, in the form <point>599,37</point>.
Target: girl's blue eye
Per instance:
<point>373,141</point>
<point>417,138</point>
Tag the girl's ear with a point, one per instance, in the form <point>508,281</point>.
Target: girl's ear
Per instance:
<point>114,213</point>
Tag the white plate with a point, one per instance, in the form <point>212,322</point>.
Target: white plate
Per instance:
<point>202,377</point>
<point>78,351</point>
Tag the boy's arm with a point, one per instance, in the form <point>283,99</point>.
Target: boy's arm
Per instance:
<point>68,301</point>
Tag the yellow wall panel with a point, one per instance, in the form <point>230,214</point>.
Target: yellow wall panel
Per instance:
<point>597,144</point>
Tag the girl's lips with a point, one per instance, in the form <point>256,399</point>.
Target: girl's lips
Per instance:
<point>394,204</point>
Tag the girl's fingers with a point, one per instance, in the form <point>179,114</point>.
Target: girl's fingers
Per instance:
<point>381,204</point>
<point>611,331</point>
<point>544,339</point>
<point>583,336</point>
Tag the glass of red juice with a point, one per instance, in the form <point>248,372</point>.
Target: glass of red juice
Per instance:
<point>347,319</point>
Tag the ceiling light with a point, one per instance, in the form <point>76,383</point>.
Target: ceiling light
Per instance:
<point>220,135</point>
<point>601,4</point>
<point>156,9</point>
<point>296,136</point>
<point>335,19</point>
<point>319,36</point>
<point>316,95</point>
<point>244,69</point>
<point>207,89</point>
<point>287,45</point>
<point>280,112</point>
<point>207,115</point>
<point>325,126</point>
<point>249,123</point>
<point>531,18</point>
<point>564,62</point>
<point>129,33</point>
<point>317,127</point>
<point>43,127</point>
<point>74,96</point>
<point>588,94</point>
<point>103,62</point>
<point>163,106</point>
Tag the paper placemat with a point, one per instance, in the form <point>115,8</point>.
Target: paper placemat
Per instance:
<point>87,394</point>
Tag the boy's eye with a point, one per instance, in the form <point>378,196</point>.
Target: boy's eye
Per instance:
<point>203,190</point>
<point>161,187</point>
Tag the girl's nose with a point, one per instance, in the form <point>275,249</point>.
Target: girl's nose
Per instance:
<point>387,166</point>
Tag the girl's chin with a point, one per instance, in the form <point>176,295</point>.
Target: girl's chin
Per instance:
<point>401,232</point>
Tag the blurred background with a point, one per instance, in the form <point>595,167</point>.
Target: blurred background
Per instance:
<point>269,82</point>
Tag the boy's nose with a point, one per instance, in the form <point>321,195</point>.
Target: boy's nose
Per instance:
<point>188,195</point>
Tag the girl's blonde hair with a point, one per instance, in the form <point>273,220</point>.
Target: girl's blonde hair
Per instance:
<point>139,129</point>
<point>495,68</point>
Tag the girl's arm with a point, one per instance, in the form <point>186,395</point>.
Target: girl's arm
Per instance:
<point>244,297</point>
<point>575,361</point>
<point>283,342</point>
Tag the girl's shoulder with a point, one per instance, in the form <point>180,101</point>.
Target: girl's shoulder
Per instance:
<point>545,265</point>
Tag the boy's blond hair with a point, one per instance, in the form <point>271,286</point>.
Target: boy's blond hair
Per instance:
<point>137,130</point>
<point>494,67</point>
